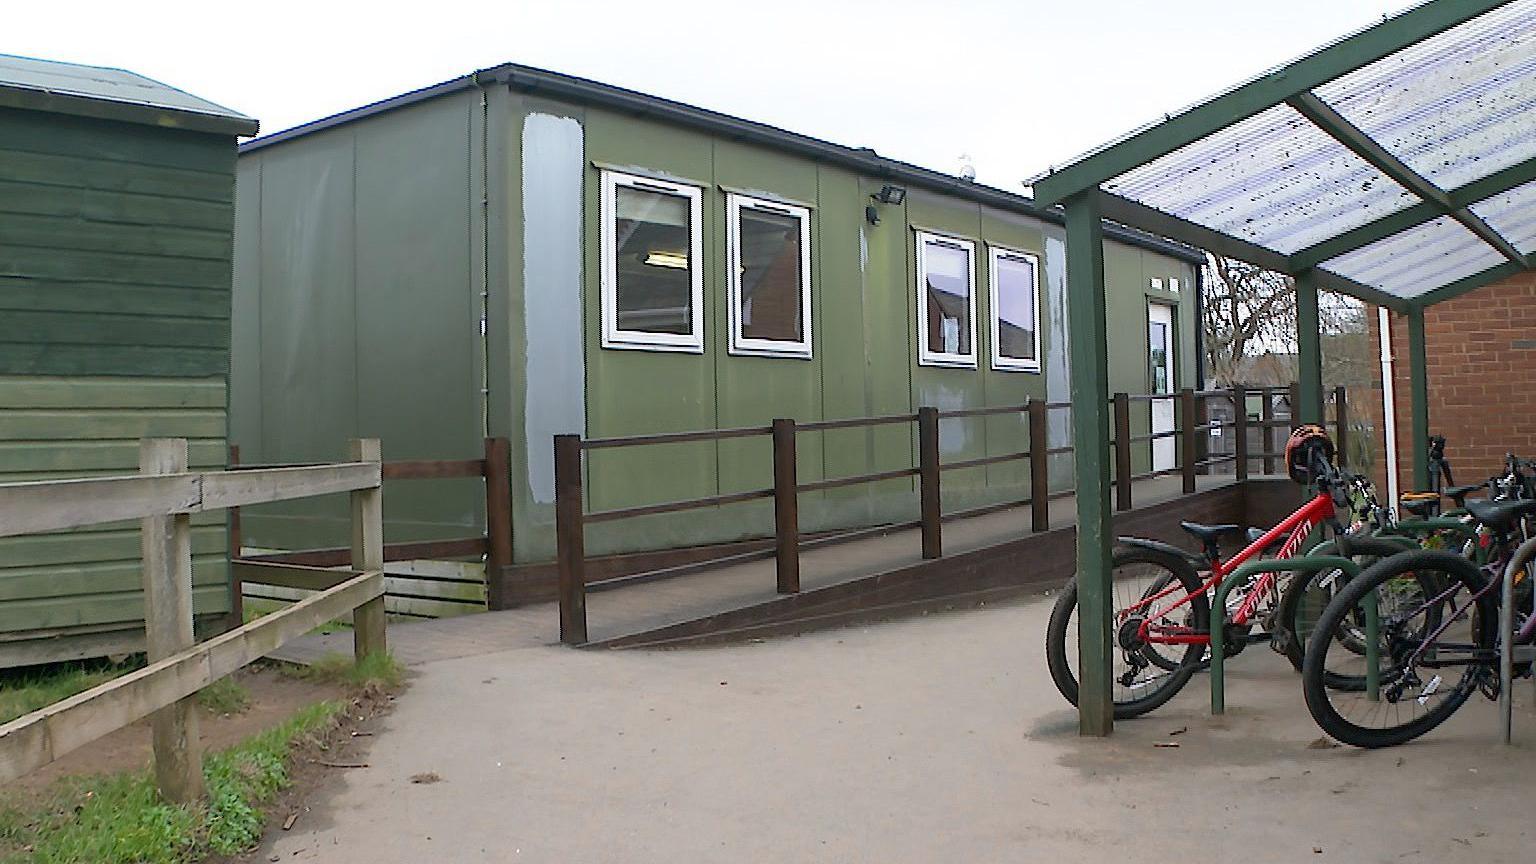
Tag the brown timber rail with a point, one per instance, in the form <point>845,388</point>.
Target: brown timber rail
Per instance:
<point>163,497</point>
<point>495,546</point>
<point>571,517</point>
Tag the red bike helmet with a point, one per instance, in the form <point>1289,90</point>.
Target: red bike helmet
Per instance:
<point>1307,444</point>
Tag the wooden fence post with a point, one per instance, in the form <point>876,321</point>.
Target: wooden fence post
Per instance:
<point>786,508</point>
<point>1039,468</point>
<point>368,553</point>
<point>1341,421</point>
<point>1122,405</point>
<point>928,480</point>
<point>1189,418</point>
<point>570,540</point>
<point>1293,393</point>
<point>498,508</point>
<point>1267,415</point>
<point>166,543</point>
<point>1240,431</point>
<point>236,543</point>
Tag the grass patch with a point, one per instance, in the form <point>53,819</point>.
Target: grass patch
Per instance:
<point>119,819</point>
<point>376,671</point>
<point>26,692</point>
<point>224,696</point>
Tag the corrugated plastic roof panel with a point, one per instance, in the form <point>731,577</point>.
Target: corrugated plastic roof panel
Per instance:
<point>1455,107</point>
<point>1513,215</point>
<point>95,82</point>
<point>1418,260</point>
<point>1274,179</point>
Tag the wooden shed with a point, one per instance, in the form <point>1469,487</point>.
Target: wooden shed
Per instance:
<point>116,223</point>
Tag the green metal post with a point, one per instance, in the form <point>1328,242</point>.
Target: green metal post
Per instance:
<point>1419,391</point>
<point>1090,440</point>
<point>1309,350</point>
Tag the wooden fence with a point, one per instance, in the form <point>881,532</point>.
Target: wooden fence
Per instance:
<point>404,593</point>
<point>1192,416</point>
<point>163,497</point>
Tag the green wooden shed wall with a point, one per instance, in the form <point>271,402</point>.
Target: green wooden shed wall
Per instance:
<point>116,205</point>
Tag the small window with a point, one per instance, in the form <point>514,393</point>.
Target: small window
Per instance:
<point>1015,280</point>
<point>946,300</point>
<point>769,265</point>
<point>652,278</point>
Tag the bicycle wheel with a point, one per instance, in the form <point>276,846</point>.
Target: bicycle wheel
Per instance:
<point>1308,593</point>
<point>1426,671</point>
<point>1144,675</point>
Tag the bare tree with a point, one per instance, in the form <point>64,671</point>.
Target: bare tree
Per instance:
<point>1249,311</point>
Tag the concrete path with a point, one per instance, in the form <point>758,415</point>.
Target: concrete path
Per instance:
<point>939,739</point>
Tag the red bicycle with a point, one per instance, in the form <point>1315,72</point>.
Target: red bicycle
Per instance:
<point>1161,594</point>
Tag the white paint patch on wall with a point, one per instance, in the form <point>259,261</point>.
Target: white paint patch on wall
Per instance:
<point>555,381</point>
<point>1058,373</point>
<point>956,434</point>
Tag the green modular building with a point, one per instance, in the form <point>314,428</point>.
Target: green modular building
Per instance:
<point>521,253</point>
<point>116,218</point>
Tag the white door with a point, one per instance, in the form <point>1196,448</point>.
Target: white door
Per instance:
<point>1160,361</point>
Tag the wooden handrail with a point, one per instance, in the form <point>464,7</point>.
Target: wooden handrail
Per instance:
<point>571,518</point>
<point>163,496</point>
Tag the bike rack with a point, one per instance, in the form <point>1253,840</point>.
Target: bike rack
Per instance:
<point>1416,527</point>
<point>1303,564</point>
<point>1508,651</point>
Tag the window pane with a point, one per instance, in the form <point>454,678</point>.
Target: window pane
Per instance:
<point>770,276</point>
<point>1015,308</point>
<point>949,298</point>
<point>653,282</point>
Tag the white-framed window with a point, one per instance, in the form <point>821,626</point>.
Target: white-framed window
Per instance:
<point>946,300</point>
<point>652,265</point>
<point>768,254</point>
<point>1015,292</point>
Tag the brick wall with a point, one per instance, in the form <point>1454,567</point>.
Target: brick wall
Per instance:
<point>1481,349</point>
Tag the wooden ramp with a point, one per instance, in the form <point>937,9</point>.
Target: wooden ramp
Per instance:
<point>986,557</point>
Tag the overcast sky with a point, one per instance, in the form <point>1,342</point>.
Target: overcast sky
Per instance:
<point>1014,86</point>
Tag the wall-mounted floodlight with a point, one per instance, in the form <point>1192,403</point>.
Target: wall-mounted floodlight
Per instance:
<point>888,194</point>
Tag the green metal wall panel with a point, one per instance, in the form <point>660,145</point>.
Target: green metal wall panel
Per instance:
<point>357,314</point>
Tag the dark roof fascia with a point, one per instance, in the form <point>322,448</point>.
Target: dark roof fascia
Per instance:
<point>31,99</point>
<point>863,161</point>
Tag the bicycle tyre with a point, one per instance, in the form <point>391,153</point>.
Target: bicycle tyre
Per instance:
<point>1294,638</point>
<point>1315,688</point>
<point>1058,633</point>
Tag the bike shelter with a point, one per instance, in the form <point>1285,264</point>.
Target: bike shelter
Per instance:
<point>1396,165</point>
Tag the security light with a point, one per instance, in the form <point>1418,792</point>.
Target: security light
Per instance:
<point>889,194</point>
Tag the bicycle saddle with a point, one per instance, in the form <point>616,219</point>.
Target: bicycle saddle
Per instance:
<point>1500,515</point>
<point>1208,533</point>
<point>1421,504</point>
<point>1459,493</point>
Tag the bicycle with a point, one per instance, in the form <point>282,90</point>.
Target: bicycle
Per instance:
<point>1376,669</point>
<point>1161,601</point>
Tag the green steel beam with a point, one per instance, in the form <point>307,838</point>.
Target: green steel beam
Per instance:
<point>1089,353</point>
<point>1321,66</point>
<point>1136,215</point>
<point>1309,349</point>
<point>1499,181</point>
<point>1471,283</point>
<point>1393,223</point>
<point>1418,387</point>
<point>1323,116</point>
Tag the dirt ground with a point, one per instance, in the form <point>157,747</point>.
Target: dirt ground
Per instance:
<point>934,739</point>
<point>274,698</point>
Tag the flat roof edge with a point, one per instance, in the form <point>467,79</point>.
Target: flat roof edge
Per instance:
<point>525,79</point>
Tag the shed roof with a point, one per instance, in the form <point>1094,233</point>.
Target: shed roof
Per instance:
<point>112,94</point>
<point>583,91</point>
<point>1398,164</point>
